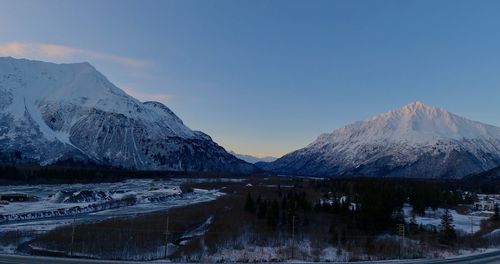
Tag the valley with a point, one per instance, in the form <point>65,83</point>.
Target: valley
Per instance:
<point>98,174</point>
<point>250,219</point>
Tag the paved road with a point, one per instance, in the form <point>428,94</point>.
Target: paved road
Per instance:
<point>15,259</point>
<point>492,257</point>
<point>485,258</point>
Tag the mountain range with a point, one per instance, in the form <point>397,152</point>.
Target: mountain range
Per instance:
<point>416,140</point>
<point>52,113</point>
<point>253,159</point>
<point>70,113</point>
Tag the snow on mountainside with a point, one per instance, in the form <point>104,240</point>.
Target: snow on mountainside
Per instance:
<point>54,112</point>
<point>413,141</point>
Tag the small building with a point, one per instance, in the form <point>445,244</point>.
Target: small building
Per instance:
<point>485,205</point>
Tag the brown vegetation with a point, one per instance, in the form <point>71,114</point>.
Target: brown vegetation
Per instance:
<point>232,227</point>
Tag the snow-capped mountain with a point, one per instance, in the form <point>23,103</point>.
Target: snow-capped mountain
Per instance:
<point>50,113</point>
<point>253,159</point>
<point>413,141</point>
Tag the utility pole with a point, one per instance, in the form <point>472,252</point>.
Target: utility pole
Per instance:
<point>401,231</point>
<point>293,236</point>
<point>166,240</point>
<point>72,236</point>
<point>471,225</point>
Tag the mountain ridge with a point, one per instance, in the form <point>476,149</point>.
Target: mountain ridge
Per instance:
<point>415,141</point>
<point>253,159</point>
<point>51,112</point>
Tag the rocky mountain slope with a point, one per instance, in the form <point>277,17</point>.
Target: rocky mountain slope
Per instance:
<point>414,141</point>
<point>51,113</point>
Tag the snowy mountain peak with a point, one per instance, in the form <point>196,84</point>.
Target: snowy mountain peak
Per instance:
<point>417,105</point>
<point>51,112</point>
<point>76,83</point>
<point>419,108</point>
<point>415,123</point>
<point>415,140</point>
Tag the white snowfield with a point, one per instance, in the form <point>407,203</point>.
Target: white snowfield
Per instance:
<point>413,123</point>
<point>77,84</point>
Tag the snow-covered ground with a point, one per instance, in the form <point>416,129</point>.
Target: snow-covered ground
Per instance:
<point>463,223</point>
<point>55,197</point>
<point>196,232</point>
<point>62,204</point>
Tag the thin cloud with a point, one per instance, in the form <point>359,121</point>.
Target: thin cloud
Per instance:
<point>12,49</point>
<point>60,52</point>
<point>142,96</point>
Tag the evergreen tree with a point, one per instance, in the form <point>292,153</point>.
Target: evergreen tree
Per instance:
<point>413,226</point>
<point>249,204</point>
<point>496,214</point>
<point>261,209</point>
<point>447,236</point>
<point>334,234</point>
<point>273,214</point>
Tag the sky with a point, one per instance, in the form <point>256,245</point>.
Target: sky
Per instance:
<point>268,77</point>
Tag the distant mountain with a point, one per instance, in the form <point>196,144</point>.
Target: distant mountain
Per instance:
<point>484,182</point>
<point>416,141</point>
<point>52,113</point>
<point>252,159</point>
<point>485,177</point>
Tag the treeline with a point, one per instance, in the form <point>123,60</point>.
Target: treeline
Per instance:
<point>375,206</point>
<point>53,174</point>
<point>485,182</point>
<point>418,193</point>
<point>56,174</point>
<point>291,211</point>
<point>356,214</point>
<point>362,207</point>
<point>365,206</point>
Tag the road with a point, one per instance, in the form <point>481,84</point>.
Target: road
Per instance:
<point>16,259</point>
<point>483,258</point>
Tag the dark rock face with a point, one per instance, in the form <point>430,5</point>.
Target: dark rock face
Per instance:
<point>80,196</point>
<point>425,162</point>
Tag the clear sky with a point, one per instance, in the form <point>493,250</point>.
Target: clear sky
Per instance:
<point>267,77</point>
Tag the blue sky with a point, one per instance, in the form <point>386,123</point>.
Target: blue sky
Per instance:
<point>267,77</point>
